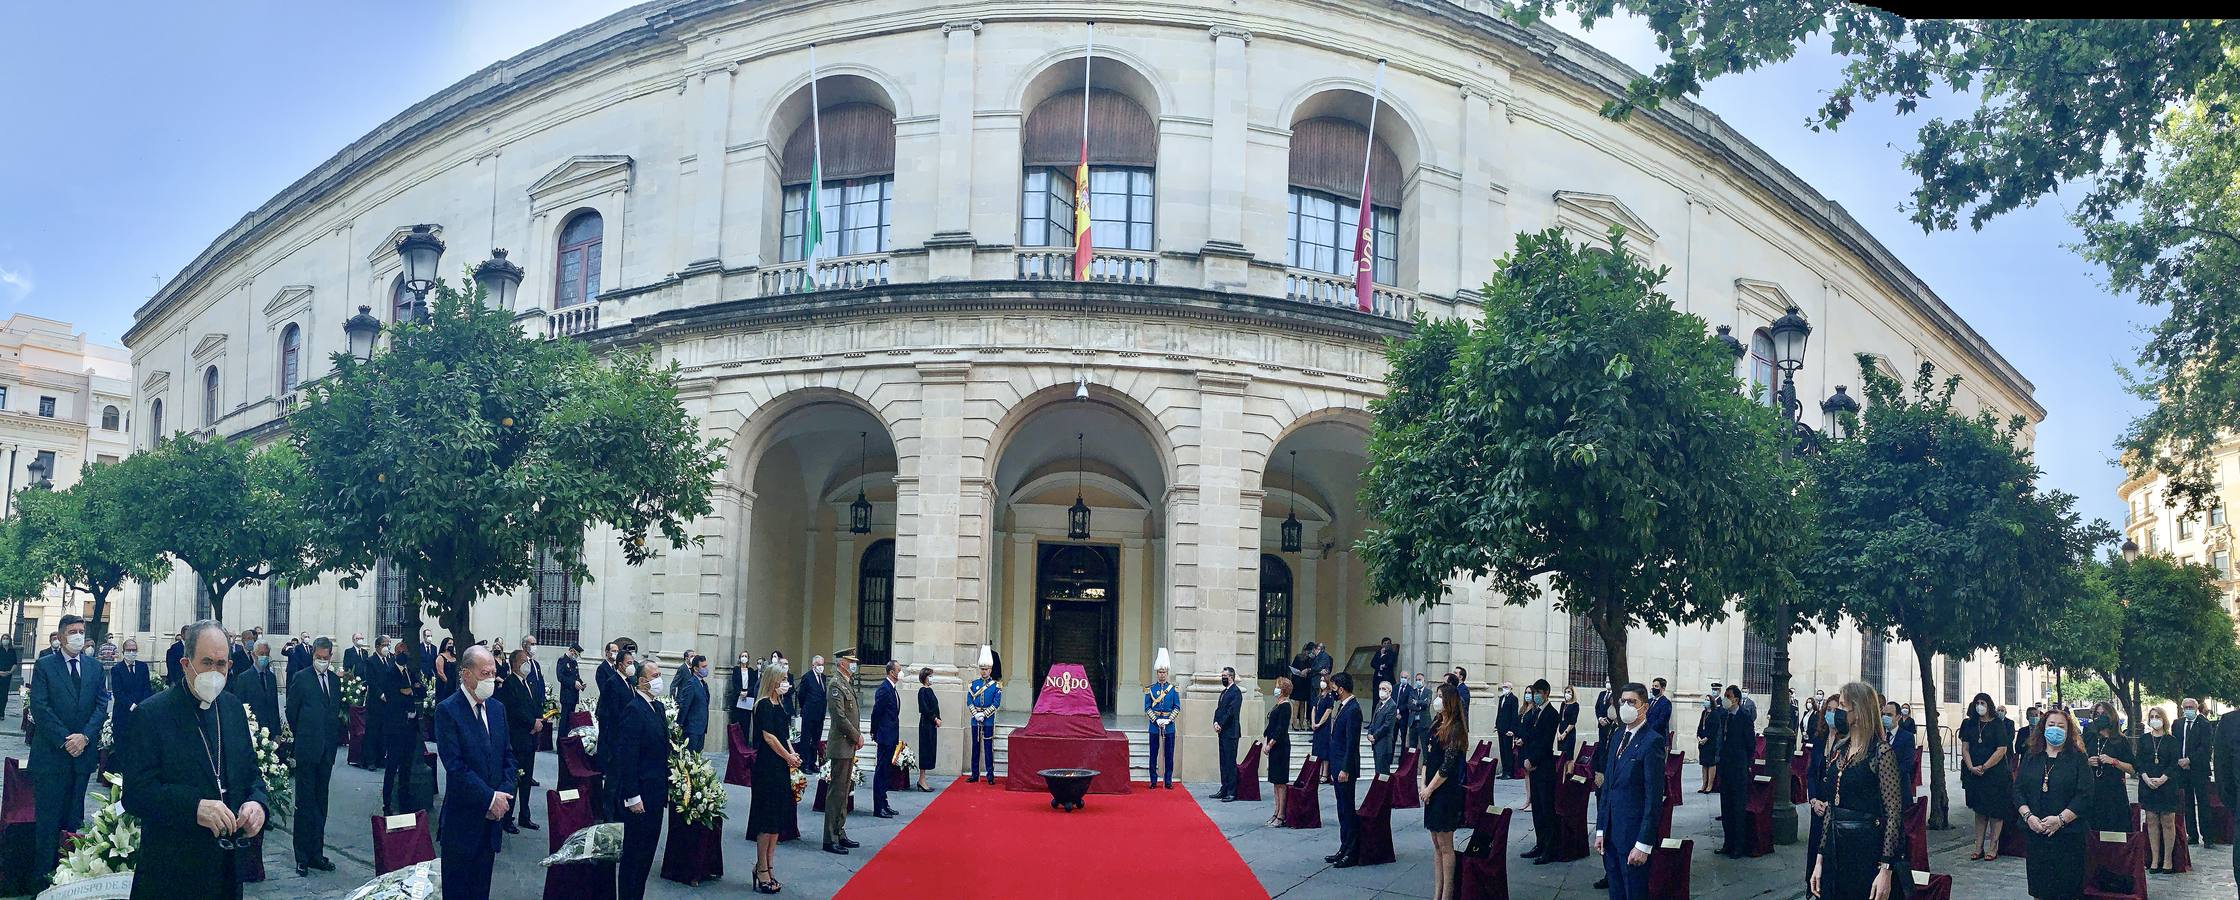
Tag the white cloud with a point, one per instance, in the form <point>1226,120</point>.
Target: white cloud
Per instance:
<point>15,283</point>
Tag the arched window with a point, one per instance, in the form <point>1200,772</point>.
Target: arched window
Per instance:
<point>210,396</point>
<point>1275,617</point>
<point>1123,157</point>
<point>155,422</point>
<point>201,598</point>
<point>1324,210</point>
<point>580,243</point>
<point>111,420</point>
<point>875,605</point>
<point>1757,662</point>
<point>1762,368</point>
<point>1870,660</point>
<point>856,196</point>
<point>291,358</point>
<point>556,604</point>
<point>1590,659</point>
<point>401,301</point>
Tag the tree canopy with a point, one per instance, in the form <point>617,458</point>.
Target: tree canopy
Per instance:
<point>2134,118</point>
<point>2171,634</point>
<point>1585,434</point>
<point>231,512</point>
<point>464,449</point>
<point>86,537</point>
<point>1932,527</point>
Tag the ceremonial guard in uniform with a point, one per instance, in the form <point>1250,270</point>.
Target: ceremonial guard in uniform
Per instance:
<point>1161,702</point>
<point>982,699</point>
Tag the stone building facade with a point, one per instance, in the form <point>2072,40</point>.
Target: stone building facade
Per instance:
<point>65,403</point>
<point>649,169</point>
<point>2204,538</point>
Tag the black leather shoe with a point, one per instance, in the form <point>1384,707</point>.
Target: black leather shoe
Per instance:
<point>1602,884</point>
<point>1344,863</point>
<point>850,844</point>
<point>1228,799</point>
<point>1334,857</point>
<point>968,779</point>
<point>1544,860</point>
<point>323,864</point>
<point>510,828</point>
<point>830,847</point>
<point>532,826</point>
<point>1533,853</point>
<point>301,872</point>
<point>886,814</point>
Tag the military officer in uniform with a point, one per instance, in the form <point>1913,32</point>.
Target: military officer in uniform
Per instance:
<point>982,699</point>
<point>1161,702</point>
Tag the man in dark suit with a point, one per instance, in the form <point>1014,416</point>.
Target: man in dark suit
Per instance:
<point>397,718</point>
<point>1323,665</point>
<point>1345,761</point>
<point>1605,717</point>
<point>614,691</point>
<point>1404,711</point>
<point>735,691</point>
<point>522,723</point>
<point>692,703</point>
<point>197,820</point>
<point>1462,692</point>
<point>1505,724</point>
<point>355,656</point>
<point>427,654</point>
<point>1660,708</point>
<point>2196,759</point>
<point>299,656</point>
<point>812,692</point>
<point>638,774</point>
<point>1632,777</point>
<point>1536,752</point>
<point>1384,725</point>
<point>571,681</point>
<point>69,701</point>
<point>1226,730</point>
<point>174,663</point>
<point>1381,668</point>
<point>129,686</point>
<point>11,659</point>
<point>1419,712</point>
<point>259,690</point>
<point>240,653</point>
<point>479,771</point>
<point>316,715</point>
<point>886,731</point>
<point>1738,744</point>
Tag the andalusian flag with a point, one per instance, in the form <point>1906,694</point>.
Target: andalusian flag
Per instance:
<point>812,234</point>
<point>1364,235</point>
<point>1081,172</point>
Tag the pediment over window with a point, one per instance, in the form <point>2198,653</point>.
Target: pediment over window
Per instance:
<point>156,383</point>
<point>290,300</point>
<point>1762,300</point>
<point>1592,215</point>
<point>209,347</point>
<point>580,177</point>
<point>385,252</point>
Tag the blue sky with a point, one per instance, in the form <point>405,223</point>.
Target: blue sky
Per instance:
<point>119,166</point>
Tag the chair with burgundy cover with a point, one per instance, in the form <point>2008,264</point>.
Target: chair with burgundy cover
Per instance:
<point>17,830</point>
<point>1482,865</point>
<point>577,771</point>
<point>1675,789</point>
<point>578,719</point>
<point>691,854</point>
<point>1916,832</point>
<point>1372,826</point>
<point>400,841</point>
<point>1930,887</point>
<point>739,768</point>
<point>1404,792</point>
<point>1572,841</point>
<point>1671,865</point>
<point>2115,866</point>
<point>1799,765</point>
<point>1477,790</point>
<point>1248,774</point>
<point>565,813</point>
<point>1481,755</point>
<point>2220,816</point>
<point>354,734</point>
<point>2181,855</point>
<point>1761,815</point>
<point>1302,807</point>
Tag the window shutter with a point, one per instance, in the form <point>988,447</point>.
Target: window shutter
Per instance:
<point>1120,132</point>
<point>858,143</point>
<point>1326,156</point>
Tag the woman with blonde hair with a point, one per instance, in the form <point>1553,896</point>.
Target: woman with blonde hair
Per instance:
<point>1275,746</point>
<point>2157,757</point>
<point>1863,821</point>
<point>1442,795</point>
<point>770,802</point>
<point>2052,791</point>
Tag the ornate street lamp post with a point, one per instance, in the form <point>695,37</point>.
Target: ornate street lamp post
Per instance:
<point>422,254</point>
<point>1789,333</point>
<point>499,278</point>
<point>362,330</point>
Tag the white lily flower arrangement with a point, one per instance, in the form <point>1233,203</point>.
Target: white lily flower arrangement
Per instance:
<point>110,843</point>
<point>279,788</point>
<point>694,789</point>
<point>353,691</point>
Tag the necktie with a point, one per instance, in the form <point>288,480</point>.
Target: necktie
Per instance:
<point>73,667</point>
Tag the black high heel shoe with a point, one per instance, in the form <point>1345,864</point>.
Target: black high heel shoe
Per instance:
<point>765,886</point>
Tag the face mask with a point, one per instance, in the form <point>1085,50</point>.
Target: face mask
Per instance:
<point>321,665</point>
<point>1658,692</point>
<point>484,688</point>
<point>1419,684</point>
<point>2190,714</point>
<point>263,663</point>
<point>1839,721</point>
<point>1627,713</point>
<point>742,660</point>
<point>1381,695</point>
<point>2154,721</point>
<point>208,685</point>
<point>1733,703</point>
<point>703,671</point>
<point>1504,692</point>
<point>2056,734</point>
<point>77,644</point>
<point>1979,709</point>
<point>358,642</point>
<point>132,656</point>
<point>1707,703</point>
<point>658,683</point>
<point>1888,723</point>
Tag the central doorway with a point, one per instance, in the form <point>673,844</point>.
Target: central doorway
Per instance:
<point>1077,613</point>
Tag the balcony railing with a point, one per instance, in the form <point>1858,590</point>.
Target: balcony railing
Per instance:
<point>844,273</point>
<point>573,320</point>
<point>1113,266</point>
<point>1332,290</point>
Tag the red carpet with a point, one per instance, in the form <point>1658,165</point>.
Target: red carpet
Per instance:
<point>981,842</point>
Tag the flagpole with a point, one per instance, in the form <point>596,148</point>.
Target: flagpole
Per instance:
<point>1364,237</point>
<point>1081,172</point>
<point>812,217</point>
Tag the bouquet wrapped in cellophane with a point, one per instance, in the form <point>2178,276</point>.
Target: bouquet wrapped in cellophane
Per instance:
<point>279,788</point>
<point>109,844</point>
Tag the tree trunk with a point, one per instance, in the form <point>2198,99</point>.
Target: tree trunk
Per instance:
<point>454,620</point>
<point>98,629</point>
<point>1614,646</point>
<point>217,601</point>
<point>1938,818</point>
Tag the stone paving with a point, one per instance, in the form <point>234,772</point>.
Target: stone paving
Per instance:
<point>1288,863</point>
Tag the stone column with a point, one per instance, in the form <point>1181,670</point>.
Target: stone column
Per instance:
<point>1485,185</point>
<point>1221,556</point>
<point>1224,253</point>
<point>950,248</point>
<point>941,520</point>
<point>711,128</point>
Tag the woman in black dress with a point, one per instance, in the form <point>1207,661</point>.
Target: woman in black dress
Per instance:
<point>1986,778</point>
<point>1442,795</point>
<point>1863,835</point>
<point>1275,746</point>
<point>929,725</point>
<point>1818,789</point>
<point>771,799</point>
<point>2111,765</point>
<point>2157,757</point>
<point>2054,785</point>
<point>1567,727</point>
